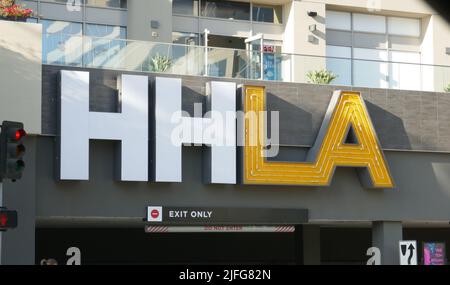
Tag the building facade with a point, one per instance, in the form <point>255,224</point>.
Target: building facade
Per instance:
<point>385,39</point>
<point>395,54</point>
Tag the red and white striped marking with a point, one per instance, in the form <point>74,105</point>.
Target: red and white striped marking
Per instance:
<point>156,229</point>
<point>285,229</point>
<point>220,229</point>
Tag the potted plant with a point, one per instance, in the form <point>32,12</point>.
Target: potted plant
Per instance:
<point>447,89</point>
<point>11,11</point>
<point>321,76</point>
<point>160,63</point>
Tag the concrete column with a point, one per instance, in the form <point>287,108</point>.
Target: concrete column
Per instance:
<point>21,74</point>
<point>311,245</point>
<point>385,236</point>
<point>140,15</point>
<point>296,38</point>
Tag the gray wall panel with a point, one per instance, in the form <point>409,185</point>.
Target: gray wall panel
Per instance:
<point>115,17</point>
<point>422,190</point>
<point>57,11</point>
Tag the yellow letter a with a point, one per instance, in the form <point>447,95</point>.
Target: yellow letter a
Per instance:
<point>346,111</point>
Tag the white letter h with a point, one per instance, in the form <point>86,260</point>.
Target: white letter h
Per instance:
<point>78,125</point>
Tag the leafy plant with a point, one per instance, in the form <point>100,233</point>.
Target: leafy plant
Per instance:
<point>447,89</point>
<point>321,76</point>
<point>160,63</point>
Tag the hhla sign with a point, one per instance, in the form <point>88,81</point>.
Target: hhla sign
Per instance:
<point>151,127</point>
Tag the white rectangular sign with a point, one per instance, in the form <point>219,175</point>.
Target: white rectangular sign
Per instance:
<point>154,214</point>
<point>408,252</point>
<point>220,229</point>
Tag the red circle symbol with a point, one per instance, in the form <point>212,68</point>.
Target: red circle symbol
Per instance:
<point>154,214</point>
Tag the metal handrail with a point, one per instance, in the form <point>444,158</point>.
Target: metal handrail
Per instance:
<point>243,50</point>
<point>195,60</point>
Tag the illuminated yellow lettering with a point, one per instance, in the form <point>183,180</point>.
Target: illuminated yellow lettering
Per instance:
<point>346,111</point>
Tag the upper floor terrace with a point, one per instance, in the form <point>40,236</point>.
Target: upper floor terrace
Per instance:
<point>363,69</point>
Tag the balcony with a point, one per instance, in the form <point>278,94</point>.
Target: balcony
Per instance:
<point>138,56</point>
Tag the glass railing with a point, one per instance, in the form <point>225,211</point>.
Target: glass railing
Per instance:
<point>127,55</point>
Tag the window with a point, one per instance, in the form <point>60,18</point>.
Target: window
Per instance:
<point>268,14</point>
<point>406,72</point>
<point>64,1</point>
<point>185,7</point>
<point>185,56</point>
<point>62,42</point>
<point>232,10</point>
<point>104,46</point>
<point>369,23</point>
<point>185,38</point>
<point>370,68</point>
<point>374,51</point>
<point>404,26</point>
<point>107,3</point>
<point>32,20</point>
<point>104,31</point>
<point>338,20</point>
<point>225,9</point>
<point>97,3</point>
<point>339,61</point>
<point>67,28</point>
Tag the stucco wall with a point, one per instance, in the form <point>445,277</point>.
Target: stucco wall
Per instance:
<point>20,74</point>
<point>435,34</point>
<point>140,15</point>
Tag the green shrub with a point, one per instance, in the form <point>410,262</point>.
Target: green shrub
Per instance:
<point>321,76</point>
<point>447,89</point>
<point>160,63</point>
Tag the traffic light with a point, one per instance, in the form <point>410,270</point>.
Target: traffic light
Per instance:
<point>8,219</point>
<point>12,150</point>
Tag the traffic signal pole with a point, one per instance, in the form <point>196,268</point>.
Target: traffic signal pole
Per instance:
<point>1,233</point>
<point>11,167</point>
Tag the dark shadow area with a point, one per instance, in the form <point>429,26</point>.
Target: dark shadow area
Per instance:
<point>349,245</point>
<point>390,128</point>
<point>441,7</point>
<point>103,93</point>
<point>351,138</point>
<point>134,246</point>
<point>345,245</point>
<point>422,235</point>
<point>320,34</point>
<point>226,42</point>
<point>295,123</point>
<point>189,98</point>
<point>290,154</point>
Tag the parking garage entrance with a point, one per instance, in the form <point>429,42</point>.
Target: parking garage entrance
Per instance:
<point>135,246</point>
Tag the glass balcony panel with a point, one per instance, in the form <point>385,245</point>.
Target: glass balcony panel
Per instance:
<point>342,68</point>
<point>403,72</point>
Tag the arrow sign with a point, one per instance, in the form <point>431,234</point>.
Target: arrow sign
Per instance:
<point>408,252</point>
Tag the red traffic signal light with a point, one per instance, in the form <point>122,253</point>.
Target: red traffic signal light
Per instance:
<point>19,134</point>
<point>3,220</point>
<point>8,219</point>
<point>12,150</point>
